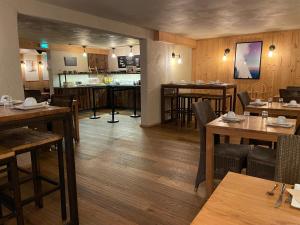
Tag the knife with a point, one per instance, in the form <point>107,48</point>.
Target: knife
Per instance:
<point>280,198</point>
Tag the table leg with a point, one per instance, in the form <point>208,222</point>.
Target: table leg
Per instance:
<point>234,98</point>
<point>209,161</point>
<point>113,108</point>
<point>94,116</point>
<point>71,172</point>
<point>134,115</point>
<point>224,101</point>
<point>162,104</point>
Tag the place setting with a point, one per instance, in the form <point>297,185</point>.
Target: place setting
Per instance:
<point>291,104</point>
<point>280,121</point>
<point>7,101</point>
<point>31,103</point>
<point>231,117</point>
<point>258,102</point>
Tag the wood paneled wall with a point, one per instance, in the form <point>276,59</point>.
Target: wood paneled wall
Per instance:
<point>277,72</point>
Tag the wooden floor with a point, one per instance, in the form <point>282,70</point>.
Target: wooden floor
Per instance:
<point>128,175</point>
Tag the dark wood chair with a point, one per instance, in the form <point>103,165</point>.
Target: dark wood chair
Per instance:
<point>23,140</point>
<point>288,95</point>
<point>37,94</point>
<point>8,159</point>
<point>244,98</point>
<point>228,157</point>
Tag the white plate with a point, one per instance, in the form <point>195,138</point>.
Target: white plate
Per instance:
<point>291,106</point>
<point>37,106</point>
<point>231,119</point>
<point>285,125</point>
<point>258,103</point>
<point>295,203</point>
<point>15,102</point>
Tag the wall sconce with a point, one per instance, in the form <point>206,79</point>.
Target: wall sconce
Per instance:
<point>41,64</point>
<point>226,53</point>
<point>113,55</point>
<point>84,51</point>
<point>179,61</point>
<point>271,50</point>
<point>130,53</point>
<point>22,62</point>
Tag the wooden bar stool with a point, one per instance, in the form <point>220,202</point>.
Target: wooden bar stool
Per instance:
<point>8,159</point>
<point>23,140</point>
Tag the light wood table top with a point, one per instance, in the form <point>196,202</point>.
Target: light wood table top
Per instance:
<point>252,127</point>
<point>275,109</point>
<point>241,199</point>
<point>10,114</point>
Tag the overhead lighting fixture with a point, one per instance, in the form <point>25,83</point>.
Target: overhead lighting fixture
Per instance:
<point>84,51</point>
<point>271,50</point>
<point>130,53</point>
<point>113,55</point>
<point>226,53</point>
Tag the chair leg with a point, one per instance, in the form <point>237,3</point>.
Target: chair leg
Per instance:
<point>1,213</point>
<point>16,190</point>
<point>62,181</point>
<point>37,184</point>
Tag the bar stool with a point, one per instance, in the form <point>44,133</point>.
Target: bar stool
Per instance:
<point>23,140</point>
<point>8,159</point>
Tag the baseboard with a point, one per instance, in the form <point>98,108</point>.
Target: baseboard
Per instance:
<point>150,125</point>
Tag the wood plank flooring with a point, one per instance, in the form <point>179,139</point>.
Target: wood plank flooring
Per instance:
<point>128,175</point>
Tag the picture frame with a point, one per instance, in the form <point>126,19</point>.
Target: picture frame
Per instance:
<point>247,63</point>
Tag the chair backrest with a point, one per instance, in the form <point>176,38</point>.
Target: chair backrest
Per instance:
<point>289,95</point>
<point>62,100</point>
<point>244,99</point>
<point>287,168</point>
<point>204,114</point>
<point>294,88</point>
<point>37,94</point>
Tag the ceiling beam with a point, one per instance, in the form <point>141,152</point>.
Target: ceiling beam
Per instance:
<point>27,44</point>
<point>174,39</point>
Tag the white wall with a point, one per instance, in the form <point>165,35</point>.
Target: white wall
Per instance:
<point>120,51</point>
<point>57,64</point>
<point>158,67</point>
<point>10,70</point>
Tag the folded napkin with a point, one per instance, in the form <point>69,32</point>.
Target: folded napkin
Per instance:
<point>295,193</point>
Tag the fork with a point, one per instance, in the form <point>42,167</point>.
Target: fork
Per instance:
<point>280,198</point>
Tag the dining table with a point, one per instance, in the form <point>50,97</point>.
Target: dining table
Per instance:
<point>250,127</point>
<point>276,109</point>
<point>12,118</point>
<point>241,199</point>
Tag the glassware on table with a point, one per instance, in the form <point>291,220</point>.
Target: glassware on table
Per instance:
<point>246,113</point>
<point>280,100</point>
<point>270,100</point>
<point>264,114</point>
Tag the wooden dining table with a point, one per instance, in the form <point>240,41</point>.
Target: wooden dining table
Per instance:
<point>241,199</point>
<point>276,109</point>
<point>251,127</point>
<point>12,118</point>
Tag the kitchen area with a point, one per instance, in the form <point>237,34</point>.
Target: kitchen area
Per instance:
<point>97,78</point>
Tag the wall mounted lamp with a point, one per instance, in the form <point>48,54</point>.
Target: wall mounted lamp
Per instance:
<point>113,55</point>
<point>179,60</point>
<point>22,62</point>
<point>271,50</point>
<point>226,53</point>
<point>84,51</point>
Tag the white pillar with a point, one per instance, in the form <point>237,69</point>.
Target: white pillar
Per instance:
<point>10,76</point>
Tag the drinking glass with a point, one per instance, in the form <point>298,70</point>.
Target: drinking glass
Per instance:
<point>264,114</point>
<point>246,113</point>
<point>8,103</point>
<point>270,100</point>
<point>280,100</point>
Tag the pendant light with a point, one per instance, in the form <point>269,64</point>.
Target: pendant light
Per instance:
<point>113,55</point>
<point>130,53</point>
<point>84,51</point>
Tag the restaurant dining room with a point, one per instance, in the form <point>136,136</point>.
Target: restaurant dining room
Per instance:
<point>163,112</point>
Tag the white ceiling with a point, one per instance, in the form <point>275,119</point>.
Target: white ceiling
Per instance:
<point>54,32</point>
<point>195,18</point>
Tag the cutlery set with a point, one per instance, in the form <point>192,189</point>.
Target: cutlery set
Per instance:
<point>279,201</point>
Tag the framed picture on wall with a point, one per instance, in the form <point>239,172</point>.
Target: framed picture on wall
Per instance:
<point>248,60</point>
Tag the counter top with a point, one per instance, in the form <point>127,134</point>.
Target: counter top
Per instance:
<point>101,86</point>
